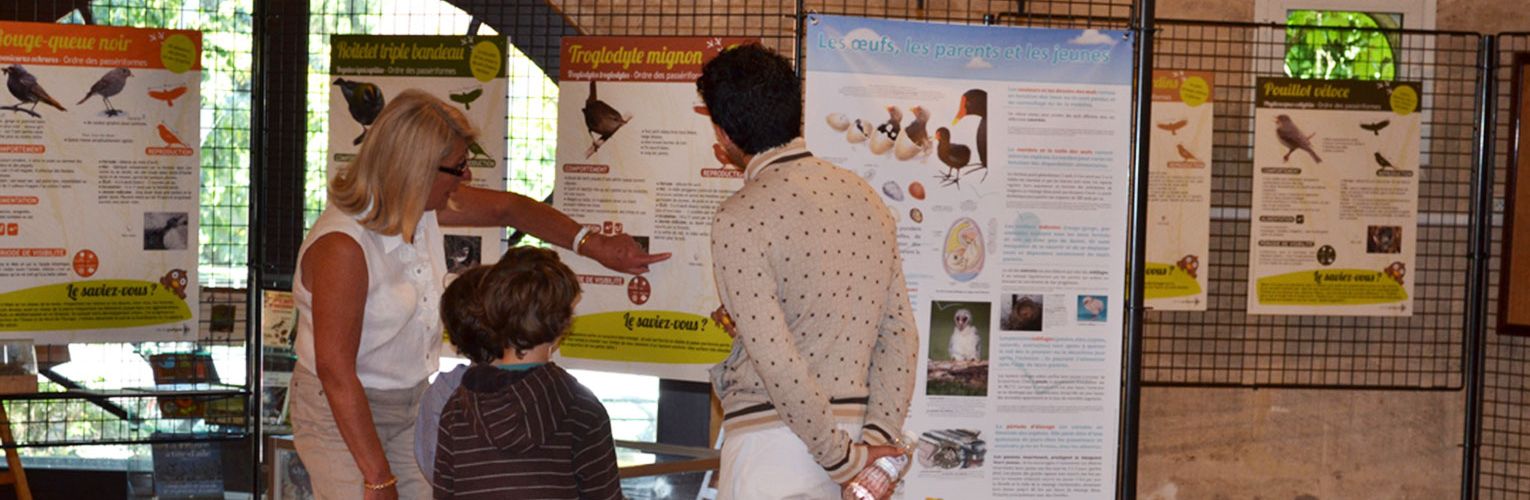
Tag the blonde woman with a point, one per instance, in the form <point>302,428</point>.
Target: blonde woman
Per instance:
<point>368,290</point>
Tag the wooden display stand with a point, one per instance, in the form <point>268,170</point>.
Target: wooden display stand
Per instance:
<point>14,476</point>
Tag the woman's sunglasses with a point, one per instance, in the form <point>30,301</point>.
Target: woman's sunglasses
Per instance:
<point>458,170</point>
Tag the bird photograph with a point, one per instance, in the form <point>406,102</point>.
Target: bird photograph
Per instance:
<point>169,137</point>
<point>1185,154</point>
<point>975,103</point>
<point>23,85</point>
<point>109,85</point>
<point>915,138</point>
<point>601,120</point>
<point>364,100</point>
<point>466,98</point>
<point>168,95</point>
<point>1375,128</point>
<point>1293,139</point>
<point>1174,126</point>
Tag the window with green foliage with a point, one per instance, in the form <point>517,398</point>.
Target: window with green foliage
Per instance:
<point>1341,45</point>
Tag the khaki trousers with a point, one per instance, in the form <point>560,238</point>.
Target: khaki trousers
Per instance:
<point>331,467</point>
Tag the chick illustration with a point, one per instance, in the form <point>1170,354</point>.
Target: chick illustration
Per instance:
<point>956,157</point>
<point>467,98</point>
<point>109,85</point>
<point>858,132</point>
<point>364,100</point>
<point>916,137</point>
<point>169,137</point>
<point>894,124</point>
<point>975,103</point>
<point>601,120</point>
<point>23,85</point>
<point>1185,154</point>
<point>176,282</point>
<point>1292,137</point>
<point>1375,128</point>
<point>1382,161</point>
<point>1174,126</point>
<point>169,95</point>
<point>880,142</point>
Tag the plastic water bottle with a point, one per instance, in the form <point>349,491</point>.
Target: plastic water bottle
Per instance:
<point>878,480</point>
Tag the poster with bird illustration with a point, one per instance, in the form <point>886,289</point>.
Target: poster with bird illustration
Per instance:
<point>1334,219</point>
<point>635,157</point>
<point>1179,191</point>
<point>1004,155</point>
<point>99,209</point>
<point>468,75</point>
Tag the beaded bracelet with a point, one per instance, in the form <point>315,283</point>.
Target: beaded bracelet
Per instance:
<point>392,480</point>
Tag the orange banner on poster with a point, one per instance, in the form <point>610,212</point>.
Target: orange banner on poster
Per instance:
<point>103,46</point>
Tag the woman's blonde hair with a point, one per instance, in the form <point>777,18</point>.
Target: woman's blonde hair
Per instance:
<point>390,179</point>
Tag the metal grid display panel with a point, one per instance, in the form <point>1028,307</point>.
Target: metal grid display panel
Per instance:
<point>1504,470</point>
<point>117,396</point>
<point>1224,346</point>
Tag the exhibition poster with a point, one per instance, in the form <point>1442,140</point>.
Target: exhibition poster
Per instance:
<point>1179,191</point>
<point>1335,208</point>
<point>635,157</point>
<point>467,72</point>
<point>100,177</point>
<point>1004,153</point>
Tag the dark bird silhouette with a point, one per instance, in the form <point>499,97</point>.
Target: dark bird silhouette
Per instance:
<point>601,120</point>
<point>1292,137</point>
<point>975,103</point>
<point>24,86</point>
<point>1382,161</point>
<point>109,85</point>
<point>1375,128</point>
<point>894,124</point>
<point>956,157</point>
<point>1185,153</point>
<point>364,100</point>
<point>1173,127</point>
<point>467,98</point>
<point>169,96</point>
<point>169,137</point>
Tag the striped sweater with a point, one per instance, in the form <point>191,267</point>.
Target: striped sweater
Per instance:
<point>537,434</point>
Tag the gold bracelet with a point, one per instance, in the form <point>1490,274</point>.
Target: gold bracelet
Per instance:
<point>392,480</point>
<point>580,244</point>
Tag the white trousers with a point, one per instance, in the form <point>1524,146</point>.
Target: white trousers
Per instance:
<point>772,464</point>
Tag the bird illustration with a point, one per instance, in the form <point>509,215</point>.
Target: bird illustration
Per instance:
<point>859,132</point>
<point>1382,161</point>
<point>176,282</point>
<point>169,96</point>
<point>364,100</point>
<point>467,98</point>
<point>1185,153</point>
<point>477,150</point>
<point>1396,271</point>
<point>23,85</point>
<point>1375,128</point>
<point>169,137</point>
<point>1190,264</point>
<point>955,156</point>
<point>975,103</point>
<point>916,137</point>
<point>1173,127</point>
<point>109,85</point>
<point>894,124</point>
<point>1292,137</point>
<point>601,120</point>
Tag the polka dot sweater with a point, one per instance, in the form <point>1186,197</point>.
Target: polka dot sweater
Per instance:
<point>805,256</point>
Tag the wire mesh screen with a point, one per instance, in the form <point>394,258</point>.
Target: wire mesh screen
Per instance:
<point>1504,470</point>
<point>1225,346</point>
<point>139,392</point>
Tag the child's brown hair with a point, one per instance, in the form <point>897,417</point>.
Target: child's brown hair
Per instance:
<point>525,300</point>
